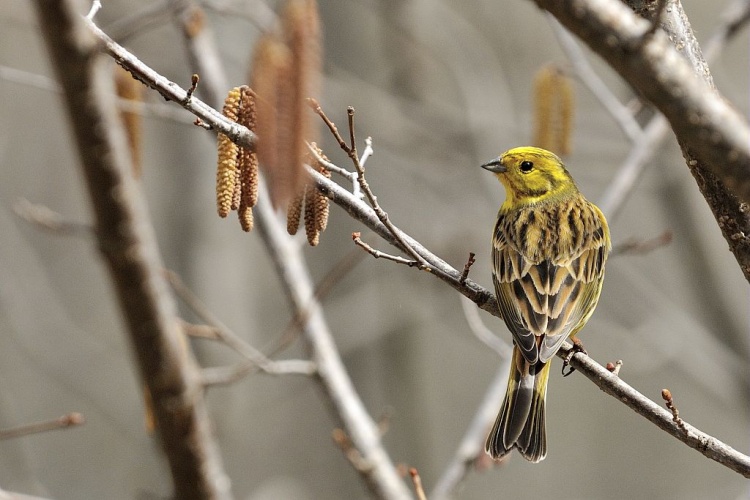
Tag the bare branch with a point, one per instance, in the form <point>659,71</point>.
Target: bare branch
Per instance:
<point>610,383</point>
<point>128,245</point>
<point>714,137</point>
<point>226,375</point>
<point>380,472</point>
<point>382,255</point>
<point>49,220</point>
<point>221,331</point>
<point>64,422</point>
<point>471,447</point>
<point>619,111</point>
<point>613,199</point>
<point>172,92</point>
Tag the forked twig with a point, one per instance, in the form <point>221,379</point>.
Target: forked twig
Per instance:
<point>351,151</point>
<point>64,422</point>
<point>382,255</point>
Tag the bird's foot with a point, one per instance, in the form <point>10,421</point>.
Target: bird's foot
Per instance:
<point>577,347</point>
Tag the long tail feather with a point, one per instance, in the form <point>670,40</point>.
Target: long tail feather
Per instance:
<point>521,421</point>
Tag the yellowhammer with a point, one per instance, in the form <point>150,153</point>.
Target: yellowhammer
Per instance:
<point>549,247</point>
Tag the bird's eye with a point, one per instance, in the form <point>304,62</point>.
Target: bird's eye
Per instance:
<point>527,166</point>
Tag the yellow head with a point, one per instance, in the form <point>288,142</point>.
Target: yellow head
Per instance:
<point>531,175</point>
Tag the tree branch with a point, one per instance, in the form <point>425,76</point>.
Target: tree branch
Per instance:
<point>128,245</point>
<point>380,474</point>
<point>612,201</point>
<point>694,438</point>
<point>715,139</point>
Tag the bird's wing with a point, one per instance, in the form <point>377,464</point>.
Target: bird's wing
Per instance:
<point>510,270</point>
<point>545,301</point>
<point>584,268</point>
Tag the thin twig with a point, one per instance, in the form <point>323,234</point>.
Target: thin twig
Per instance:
<point>226,375</point>
<point>193,85</point>
<point>614,368</point>
<point>367,153</point>
<point>351,151</point>
<point>315,106</point>
<point>620,112</point>
<point>417,482</point>
<point>480,330</point>
<point>96,5</point>
<point>666,395</point>
<point>467,267</point>
<point>222,332</point>
<point>382,215</point>
<point>64,422</point>
<point>351,176</point>
<point>45,218</point>
<point>470,450</point>
<point>322,289</point>
<point>642,246</point>
<point>382,255</point>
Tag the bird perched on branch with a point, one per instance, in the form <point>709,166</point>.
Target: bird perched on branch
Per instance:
<point>549,247</point>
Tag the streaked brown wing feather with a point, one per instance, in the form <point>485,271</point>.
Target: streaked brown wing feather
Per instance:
<point>547,293</point>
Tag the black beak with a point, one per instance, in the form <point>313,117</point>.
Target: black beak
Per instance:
<point>495,166</point>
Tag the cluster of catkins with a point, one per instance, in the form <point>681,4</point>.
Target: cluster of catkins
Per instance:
<point>286,71</point>
<point>237,168</point>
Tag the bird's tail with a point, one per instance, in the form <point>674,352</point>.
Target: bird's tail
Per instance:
<point>520,423</point>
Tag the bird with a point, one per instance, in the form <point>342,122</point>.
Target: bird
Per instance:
<point>549,248</point>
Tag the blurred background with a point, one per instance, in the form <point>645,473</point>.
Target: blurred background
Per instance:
<point>442,86</point>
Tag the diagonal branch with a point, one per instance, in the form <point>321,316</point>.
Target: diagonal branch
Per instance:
<point>714,138</point>
<point>128,244</point>
<point>694,438</point>
<point>735,16</point>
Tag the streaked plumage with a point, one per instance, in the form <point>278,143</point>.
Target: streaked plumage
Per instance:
<point>549,247</point>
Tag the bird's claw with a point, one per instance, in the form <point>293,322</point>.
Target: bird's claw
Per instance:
<point>577,347</point>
